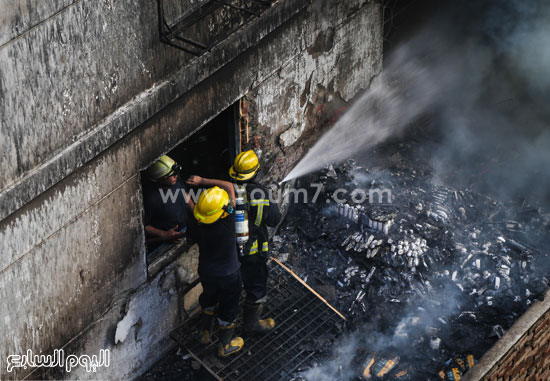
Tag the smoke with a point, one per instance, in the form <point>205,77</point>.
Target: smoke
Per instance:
<point>494,127</point>
<point>339,367</point>
<point>396,97</point>
<point>418,322</point>
<point>519,31</point>
<point>480,72</point>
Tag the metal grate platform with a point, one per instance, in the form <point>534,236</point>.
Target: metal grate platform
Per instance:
<point>305,323</point>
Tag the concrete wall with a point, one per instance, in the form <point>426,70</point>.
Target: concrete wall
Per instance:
<point>66,65</point>
<point>72,271</point>
<point>292,108</point>
<point>523,353</point>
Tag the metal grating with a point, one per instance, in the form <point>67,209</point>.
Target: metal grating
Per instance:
<point>305,323</point>
<point>201,29</point>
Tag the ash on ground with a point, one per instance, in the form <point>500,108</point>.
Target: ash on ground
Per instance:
<point>428,282</point>
<point>176,365</point>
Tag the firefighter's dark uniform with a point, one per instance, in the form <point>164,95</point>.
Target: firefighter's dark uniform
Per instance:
<point>261,214</point>
<point>164,215</point>
<point>218,266</point>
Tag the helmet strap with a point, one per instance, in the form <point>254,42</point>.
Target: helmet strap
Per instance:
<point>229,208</point>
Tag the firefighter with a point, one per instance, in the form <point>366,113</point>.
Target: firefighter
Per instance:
<point>261,213</point>
<point>165,218</point>
<point>219,267</point>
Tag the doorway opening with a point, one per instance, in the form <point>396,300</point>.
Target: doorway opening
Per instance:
<point>208,153</point>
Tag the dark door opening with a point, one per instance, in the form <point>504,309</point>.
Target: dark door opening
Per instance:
<point>211,150</point>
<point>209,153</point>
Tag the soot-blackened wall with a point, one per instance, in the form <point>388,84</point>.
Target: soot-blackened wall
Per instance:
<point>89,98</point>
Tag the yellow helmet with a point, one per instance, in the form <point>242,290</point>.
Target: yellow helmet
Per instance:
<point>245,166</point>
<point>165,166</point>
<point>212,204</point>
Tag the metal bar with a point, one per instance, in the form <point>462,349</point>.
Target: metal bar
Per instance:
<point>309,288</point>
<point>303,319</point>
<point>167,27</point>
<point>277,377</point>
<point>160,9</point>
<point>195,16</point>
<point>168,42</point>
<point>294,323</point>
<point>297,302</point>
<point>238,127</point>
<point>191,42</point>
<point>268,337</point>
<point>259,346</point>
<point>191,286</point>
<point>235,134</point>
<point>276,349</point>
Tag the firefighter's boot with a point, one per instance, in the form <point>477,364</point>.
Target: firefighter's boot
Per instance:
<point>252,323</point>
<point>206,326</point>
<point>228,345</point>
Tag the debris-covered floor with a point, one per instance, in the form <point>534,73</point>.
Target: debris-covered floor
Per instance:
<point>428,282</point>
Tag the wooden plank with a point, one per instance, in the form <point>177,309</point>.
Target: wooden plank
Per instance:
<point>309,288</point>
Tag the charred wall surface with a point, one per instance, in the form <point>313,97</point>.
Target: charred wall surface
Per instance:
<point>89,98</point>
<point>292,108</point>
<point>68,65</point>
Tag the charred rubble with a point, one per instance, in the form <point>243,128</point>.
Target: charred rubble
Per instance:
<point>429,281</point>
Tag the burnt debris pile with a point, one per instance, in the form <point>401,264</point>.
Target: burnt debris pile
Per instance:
<point>428,281</point>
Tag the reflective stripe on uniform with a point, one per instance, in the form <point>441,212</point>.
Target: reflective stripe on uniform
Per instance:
<point>254,248</point>
<point>260,204</point>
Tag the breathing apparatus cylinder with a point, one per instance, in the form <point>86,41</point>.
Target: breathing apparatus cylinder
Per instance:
<point>241,216</point>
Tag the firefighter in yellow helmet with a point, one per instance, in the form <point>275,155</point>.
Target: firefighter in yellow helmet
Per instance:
<point>219,267</point>
<point>166,203</point>
<point>262,212</point>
